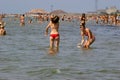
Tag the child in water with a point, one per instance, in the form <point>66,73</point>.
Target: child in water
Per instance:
<point>54,34</point>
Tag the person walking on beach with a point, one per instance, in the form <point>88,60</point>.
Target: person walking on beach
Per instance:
<point>54,34</point>
<point>86,32</point>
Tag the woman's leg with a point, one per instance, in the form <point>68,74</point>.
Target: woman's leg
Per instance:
<point>89,43</point>
<point>85,44</point>
<point>57,41</point>
<point>51,43</point>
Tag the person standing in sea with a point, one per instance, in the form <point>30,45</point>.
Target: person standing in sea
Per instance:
<point>86,34</point>
<point>54,34</point>
<point>90,36</point>
<point>83,18</point>
<point>2,30</point>
<point>22,20</point>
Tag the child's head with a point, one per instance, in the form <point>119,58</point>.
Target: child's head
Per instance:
<point>55,19</point>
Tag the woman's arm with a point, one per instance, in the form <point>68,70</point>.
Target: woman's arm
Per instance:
<point>46,29</point>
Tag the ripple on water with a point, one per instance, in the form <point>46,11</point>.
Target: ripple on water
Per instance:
<point>24,54</point>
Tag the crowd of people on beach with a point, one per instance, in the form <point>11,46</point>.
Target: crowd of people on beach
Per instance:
<point>100,19</point>
<point>54,26</point>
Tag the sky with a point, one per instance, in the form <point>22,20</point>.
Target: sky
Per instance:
<point>73,6</point>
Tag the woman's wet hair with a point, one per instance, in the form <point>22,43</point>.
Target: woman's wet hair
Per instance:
<point>55,19</point>
<point>83,14</point>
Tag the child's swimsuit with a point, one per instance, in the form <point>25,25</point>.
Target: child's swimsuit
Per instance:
<point>54,35</point>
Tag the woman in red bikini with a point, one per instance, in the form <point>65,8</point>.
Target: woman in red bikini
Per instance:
<point>54,34</point>
<point>86,32</point>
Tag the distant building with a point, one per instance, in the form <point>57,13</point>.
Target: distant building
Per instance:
<point>36,12</point>
<point>111,10</point>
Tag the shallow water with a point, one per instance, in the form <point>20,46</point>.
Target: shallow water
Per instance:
<point>24,53</point>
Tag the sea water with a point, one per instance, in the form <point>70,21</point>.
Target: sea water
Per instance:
<point>24,53</point>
